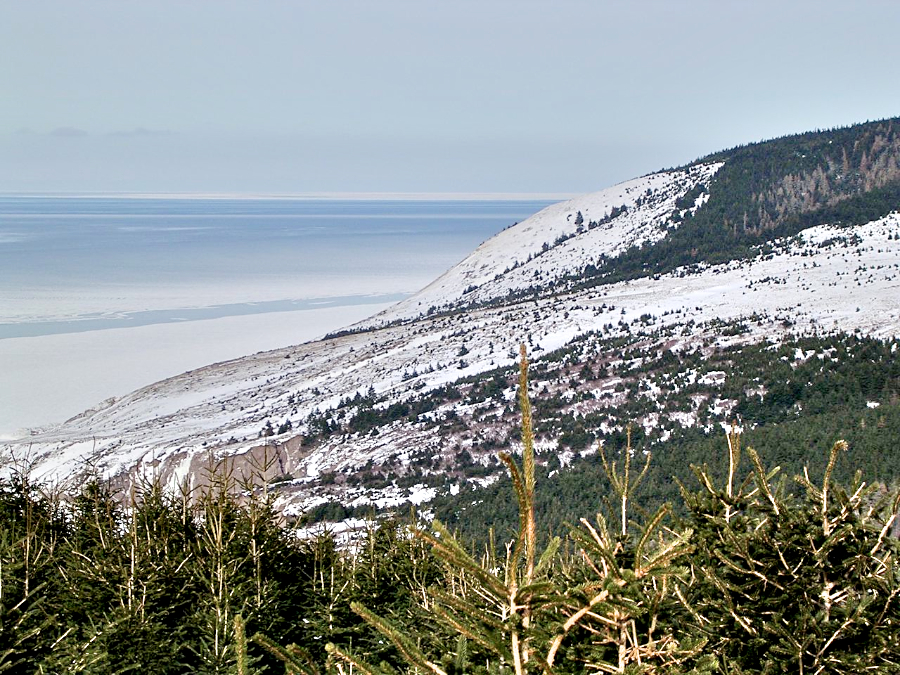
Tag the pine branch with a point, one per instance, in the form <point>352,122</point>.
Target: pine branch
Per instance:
<point>680,546</point>
<point>240,645</point>
<point>470,610</point>
<point>492,642</point>
<point>573,621</point>
<point>762,479</point>
<point>522,497</point>
<point>355,663</point>
<point>600,547</point>
<point>548,556</point>
<point>832,459</point>
<point>296,661</point>
<point>530,530</point>
<point>649,528</point>
<point>404,645</point>
<point>449,550</point>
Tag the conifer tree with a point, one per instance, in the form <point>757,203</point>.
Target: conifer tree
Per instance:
<point>795,584</point>
<point>30,529</point>
<point>504,605</point>
<point>621,610</point>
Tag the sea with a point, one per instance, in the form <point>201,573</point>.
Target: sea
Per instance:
<point>118,291</point>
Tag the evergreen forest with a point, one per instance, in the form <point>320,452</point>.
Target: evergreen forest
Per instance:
<point>769,190</point>
<point>748,569</point>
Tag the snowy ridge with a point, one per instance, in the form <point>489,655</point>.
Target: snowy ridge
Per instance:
<point>825,279</point>
<point>554,242</point>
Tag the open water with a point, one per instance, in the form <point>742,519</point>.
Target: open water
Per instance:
<point>73,264</point>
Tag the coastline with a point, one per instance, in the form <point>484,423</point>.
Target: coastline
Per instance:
<point>68,373</point>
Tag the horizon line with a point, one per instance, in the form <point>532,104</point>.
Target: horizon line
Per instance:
<point>310,196</point>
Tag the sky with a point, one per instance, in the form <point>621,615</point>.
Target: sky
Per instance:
<point>411,96</point>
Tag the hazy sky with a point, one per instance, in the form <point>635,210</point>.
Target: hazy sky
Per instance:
<point>418,95</point>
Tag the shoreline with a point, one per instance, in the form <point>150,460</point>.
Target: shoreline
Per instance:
<point>50,378</point>
<point>150,317</point>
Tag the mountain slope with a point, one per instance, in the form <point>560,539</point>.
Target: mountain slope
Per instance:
<point>571,235</point>
<point>415,402</point>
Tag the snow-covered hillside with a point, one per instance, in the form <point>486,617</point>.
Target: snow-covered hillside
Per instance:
<point>826,279</point>
<point>558,241</point>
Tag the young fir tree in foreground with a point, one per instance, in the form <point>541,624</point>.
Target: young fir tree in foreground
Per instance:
<point>784,583</point>
<point>760,574</point>
<point>757,580</point>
